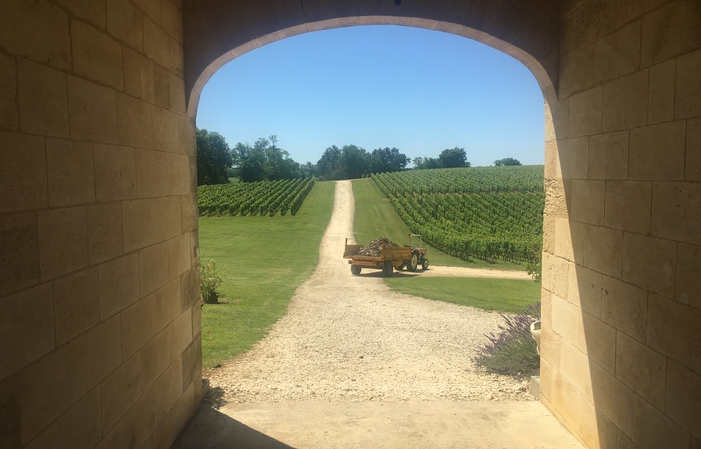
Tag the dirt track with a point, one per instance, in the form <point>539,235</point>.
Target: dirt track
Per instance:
<point>350,338</point>
<point>447,272</point>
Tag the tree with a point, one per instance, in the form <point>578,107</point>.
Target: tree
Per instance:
<point>355,162</point>
<point>279,164</point>
<point>383,160</point>
<point>352,162</point>
<point>265,161</point>
<point>507,161</point>
<point>251,163</point>
<point>328,166</point>
<point>449,158</point>
<point>213,158</point>
<point>424,163</point>
<point>348,162</point>
<point>454,157</point>
<point>307,170</point>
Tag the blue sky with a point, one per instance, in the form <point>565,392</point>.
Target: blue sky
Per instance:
<point>379,86</point>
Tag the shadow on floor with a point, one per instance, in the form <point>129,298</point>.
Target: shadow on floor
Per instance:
<point>215,397</point>
<point>376,424</point>
<point>222,432</point>
<point>371,273</point>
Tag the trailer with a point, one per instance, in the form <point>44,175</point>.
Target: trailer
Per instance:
<point>392,258</point>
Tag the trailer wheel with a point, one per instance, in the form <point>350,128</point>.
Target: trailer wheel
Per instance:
<point>356,269</point>
<point>413,263</point>
<point>387,269</point>
<point>424,264</point>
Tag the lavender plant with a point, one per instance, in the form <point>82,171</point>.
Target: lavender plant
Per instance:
<point>512,351</point>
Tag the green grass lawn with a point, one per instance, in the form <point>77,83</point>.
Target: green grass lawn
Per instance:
<point>502,295</point>
<point>375,217</point>
<point>266,260</point>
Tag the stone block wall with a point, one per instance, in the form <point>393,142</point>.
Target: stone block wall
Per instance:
<point>99,318</point>
<point>621,341</point>
<point>99,321</point>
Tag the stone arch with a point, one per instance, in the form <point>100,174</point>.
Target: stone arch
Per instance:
<point>199,80</point>
<point>536,46</point>
<point>621,147</point>
<point>98,211</point>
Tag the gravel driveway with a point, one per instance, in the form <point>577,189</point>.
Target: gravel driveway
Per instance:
<point>350,338</point>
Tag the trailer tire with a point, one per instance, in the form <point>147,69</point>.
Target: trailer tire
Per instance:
<point>413,263</point>
<point>355,269</point>
<point>387,269</point>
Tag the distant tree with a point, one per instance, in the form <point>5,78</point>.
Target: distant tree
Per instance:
<point>251,162</point>
<point>351,161</point>
<point>384,160</point>
<point>348,162</point>
<point>280,165</point>
<point>449,158</point>
<point>265,161</point>
<point>424,163</point>
<point>355,162</point>
<point>214,158</point>
<point>454,157</point>
<point>507,161</point>
<point>328,166</point>
<point>307,170</point>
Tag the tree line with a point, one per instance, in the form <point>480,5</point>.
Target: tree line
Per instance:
<point>266,161</point>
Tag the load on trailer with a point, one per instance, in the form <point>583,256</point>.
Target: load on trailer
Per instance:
<point>387,258</point>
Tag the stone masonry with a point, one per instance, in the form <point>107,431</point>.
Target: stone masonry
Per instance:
<point>99,320</point>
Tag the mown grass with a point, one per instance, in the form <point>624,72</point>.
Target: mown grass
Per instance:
<point>266,259</point>
<point>375,217</point>
<point>501,295</point>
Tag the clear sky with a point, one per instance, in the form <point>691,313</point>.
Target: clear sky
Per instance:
<point>379,86</point>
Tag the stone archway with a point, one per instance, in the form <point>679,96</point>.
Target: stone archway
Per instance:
<point>527,31</point>
<point>591,62</point>
<point>98,262</point>
<point>538,71</point>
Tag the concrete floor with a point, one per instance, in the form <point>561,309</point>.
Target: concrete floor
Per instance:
<point>434,425</point>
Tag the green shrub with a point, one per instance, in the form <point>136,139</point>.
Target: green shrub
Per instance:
<point>535,270</point>
<point>210,278</point>
<point>512,351</point>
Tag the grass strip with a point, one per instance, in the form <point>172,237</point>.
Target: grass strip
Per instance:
<point>501,295</point>
<point>375,217</point>
<point>266,259</point>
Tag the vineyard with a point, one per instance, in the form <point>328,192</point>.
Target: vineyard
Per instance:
<point>482,212</point>
<point>253,198</point>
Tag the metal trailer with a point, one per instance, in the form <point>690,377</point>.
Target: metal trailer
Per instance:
<point>396,258</point>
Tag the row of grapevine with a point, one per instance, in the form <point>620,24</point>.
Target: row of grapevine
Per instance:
<point>527,178</point>
<point>485,212</point>
<point>253,198</point>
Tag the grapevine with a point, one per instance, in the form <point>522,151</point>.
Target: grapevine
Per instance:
<point>482,212</point>
<point>253,198</point>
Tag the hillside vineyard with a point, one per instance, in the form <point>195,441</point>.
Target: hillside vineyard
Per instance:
<point>253,198</point>
<point>482,212</point>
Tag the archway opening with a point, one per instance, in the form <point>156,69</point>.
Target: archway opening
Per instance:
<point>411,92</point>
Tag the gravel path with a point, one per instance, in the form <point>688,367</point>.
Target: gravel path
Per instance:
<point>350,338</point>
